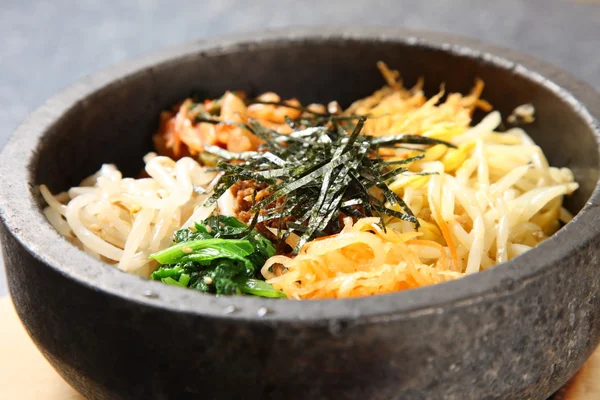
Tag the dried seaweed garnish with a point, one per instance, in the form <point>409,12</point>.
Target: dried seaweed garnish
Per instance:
<point>229,155</point>
<point>319,173</point>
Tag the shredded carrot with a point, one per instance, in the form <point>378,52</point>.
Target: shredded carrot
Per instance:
<point>449,241</point>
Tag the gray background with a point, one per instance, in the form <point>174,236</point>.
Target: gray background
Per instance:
<point>47,45</point>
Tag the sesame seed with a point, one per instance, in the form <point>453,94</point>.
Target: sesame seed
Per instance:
<point>333,107</point>
<point>229,309</point>
<point>262,312</point>
<point>192,228</point>
<point>187,249</point>
<point>208,229</point>
<point>150,294</point>
<point>208,280</point>
<point>525,110</point>
<point>523,114</point>
<point>95,227</point>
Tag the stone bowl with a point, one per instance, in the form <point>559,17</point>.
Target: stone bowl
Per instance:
<point>518,330</point>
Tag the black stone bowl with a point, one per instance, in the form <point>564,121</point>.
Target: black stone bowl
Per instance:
<point>516,331</point>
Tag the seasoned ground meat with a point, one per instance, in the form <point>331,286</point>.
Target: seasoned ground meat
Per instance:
<point>243,192</point>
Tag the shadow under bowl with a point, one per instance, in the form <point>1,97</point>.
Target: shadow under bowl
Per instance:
<point>519,330</point>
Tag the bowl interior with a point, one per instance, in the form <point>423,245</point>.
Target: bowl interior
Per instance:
<point>115,124</point>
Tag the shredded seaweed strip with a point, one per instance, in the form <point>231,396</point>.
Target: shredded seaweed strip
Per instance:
<point>322,172</point>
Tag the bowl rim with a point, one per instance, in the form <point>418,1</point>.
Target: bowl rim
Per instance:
<point>24,220</point>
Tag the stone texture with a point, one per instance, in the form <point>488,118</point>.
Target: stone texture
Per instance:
<point>515,331</point>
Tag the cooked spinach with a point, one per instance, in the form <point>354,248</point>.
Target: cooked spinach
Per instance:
<point>218,255</point>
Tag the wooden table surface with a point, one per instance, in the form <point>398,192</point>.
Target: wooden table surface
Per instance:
<point>25,374</point>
